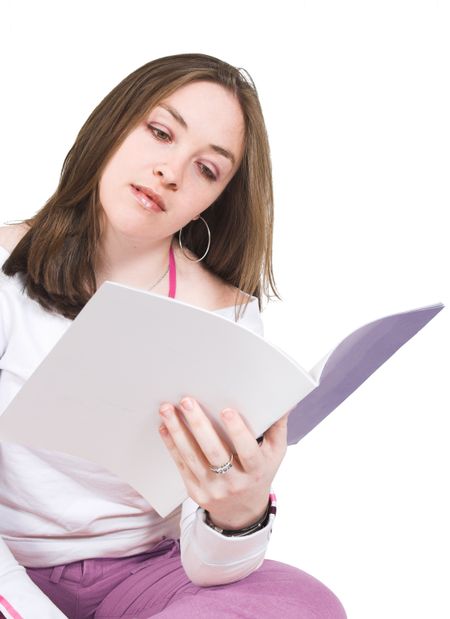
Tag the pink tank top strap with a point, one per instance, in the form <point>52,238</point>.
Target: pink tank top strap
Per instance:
<point>172,274</point>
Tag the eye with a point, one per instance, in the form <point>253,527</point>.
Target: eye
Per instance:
<point>159,134</point>
<point>207,172</point>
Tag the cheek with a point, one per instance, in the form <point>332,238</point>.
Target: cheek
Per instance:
<point>124,161</point>
<point>102,188</point>
<point>112,190</point>
<point>117,175</point>
<point>207,190</point>
<point>197,199</point>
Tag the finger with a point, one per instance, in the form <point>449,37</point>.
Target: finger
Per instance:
<point>247,448</point>
<point>213,448</point>
<point>189,478</point>
<point>185,442</point>
<point>275,437</point>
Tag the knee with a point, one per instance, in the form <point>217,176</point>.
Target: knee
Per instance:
<point>310,597</point>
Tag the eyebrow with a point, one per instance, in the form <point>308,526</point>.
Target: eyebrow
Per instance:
<point>218,149</point>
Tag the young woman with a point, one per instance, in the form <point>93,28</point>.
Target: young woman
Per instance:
<point>167,188</point>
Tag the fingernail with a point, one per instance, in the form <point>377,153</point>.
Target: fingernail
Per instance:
<point>166,410</point>
<point>186,403</point>
<point>228,413</point>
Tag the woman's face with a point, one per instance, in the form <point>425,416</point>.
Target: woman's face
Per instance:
<point>186,150</point>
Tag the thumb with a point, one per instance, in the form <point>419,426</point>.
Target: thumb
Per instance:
<point>276,435</point>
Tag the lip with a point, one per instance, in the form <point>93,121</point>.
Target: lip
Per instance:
<point>155,197</point>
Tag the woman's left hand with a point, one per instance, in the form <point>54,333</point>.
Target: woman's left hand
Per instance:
<point>239,497</point>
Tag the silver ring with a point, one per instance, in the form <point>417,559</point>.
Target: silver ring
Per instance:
<point>223,468</point>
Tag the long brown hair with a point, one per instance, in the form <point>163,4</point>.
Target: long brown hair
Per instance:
<point>57,256</point>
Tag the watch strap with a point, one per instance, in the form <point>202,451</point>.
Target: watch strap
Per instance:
<point>256,526</point>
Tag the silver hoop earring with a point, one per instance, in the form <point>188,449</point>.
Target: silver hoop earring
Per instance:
<point>207,249</point>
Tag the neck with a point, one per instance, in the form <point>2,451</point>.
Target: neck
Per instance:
<point>132,262</point>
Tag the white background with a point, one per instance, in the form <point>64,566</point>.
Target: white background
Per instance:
<point>356,99</point>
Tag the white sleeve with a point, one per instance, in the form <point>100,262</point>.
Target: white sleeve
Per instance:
<point>208,557</point>
<point>20,598</point>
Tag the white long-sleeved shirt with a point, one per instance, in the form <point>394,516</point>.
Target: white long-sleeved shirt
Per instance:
<point>56,509</point>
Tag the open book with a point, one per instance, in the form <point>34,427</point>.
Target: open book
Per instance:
<point>97,393</point>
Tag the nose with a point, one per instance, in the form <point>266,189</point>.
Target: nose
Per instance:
<point>167,175</point>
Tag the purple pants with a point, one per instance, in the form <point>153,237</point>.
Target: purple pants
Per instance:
<point>154,584</point>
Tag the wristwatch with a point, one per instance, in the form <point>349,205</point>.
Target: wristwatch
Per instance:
<point>262,522</point>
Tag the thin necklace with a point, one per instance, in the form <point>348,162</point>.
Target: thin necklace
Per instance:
<point>162,277</point>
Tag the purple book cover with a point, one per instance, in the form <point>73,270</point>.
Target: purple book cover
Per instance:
<point>352,362</point>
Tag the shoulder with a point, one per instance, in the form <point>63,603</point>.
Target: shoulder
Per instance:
<point>11,235</point>
<point>198,286</point>
<point>221,293</point>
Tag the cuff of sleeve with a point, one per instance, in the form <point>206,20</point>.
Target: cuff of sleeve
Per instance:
<point>21,598</point>
<point>210,558</point>
<point>217,548</point>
